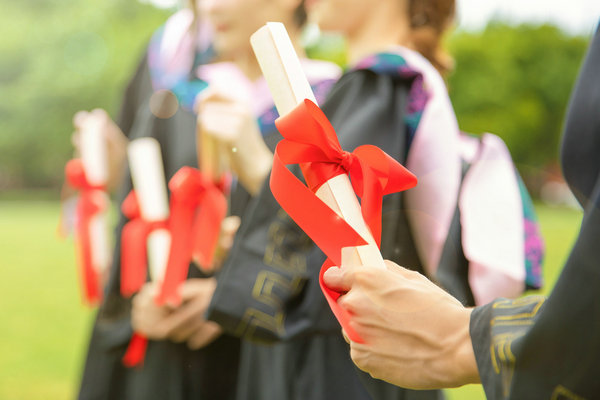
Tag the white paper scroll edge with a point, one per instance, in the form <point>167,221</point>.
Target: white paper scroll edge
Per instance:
<point>145,163</point>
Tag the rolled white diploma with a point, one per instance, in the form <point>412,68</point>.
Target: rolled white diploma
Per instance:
<point>147,174</point>
<point>95,165</point>
<point>288,85</point>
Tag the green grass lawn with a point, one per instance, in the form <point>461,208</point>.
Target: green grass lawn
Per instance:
<point>45,327</point>
<point>44,324</point>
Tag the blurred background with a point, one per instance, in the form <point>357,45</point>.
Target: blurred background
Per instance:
<point>515,64</point>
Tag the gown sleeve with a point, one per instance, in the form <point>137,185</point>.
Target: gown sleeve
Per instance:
<point>538,348</point>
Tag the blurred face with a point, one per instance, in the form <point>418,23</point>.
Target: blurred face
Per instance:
<point>234,21</point>
<point>343,16</point>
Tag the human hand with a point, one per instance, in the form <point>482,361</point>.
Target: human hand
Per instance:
<point>196,295</point>
<point>229,138</point>
<point>147,317</point>
<point>115,140</point>
<point>416,335</point>
<point>185,323</point>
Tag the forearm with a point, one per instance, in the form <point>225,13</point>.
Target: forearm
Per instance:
<point>253,166</point>
<point>462,366</point>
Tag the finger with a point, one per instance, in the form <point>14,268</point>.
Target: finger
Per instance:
<point>231,224</point>
<point>338,279</point>
<point>392,266</point>
<point>214,94</point>
<point>184,315</point>
<point>197,289</point>
<point>405,273</point>
<point>229,228</point>
<point>100,114</point>
<point>351,301</point>
<point>359,356</point>
<point>220,125</point>
<point>204,96</point>
<point>345,335</point>
<point>149,289</point>
<point>79,118</point>
<point>184,332</point>
<point>204,336</point>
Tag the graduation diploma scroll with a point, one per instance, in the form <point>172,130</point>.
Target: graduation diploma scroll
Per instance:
<point>145,163</point>
<point>150,209</point>
<point>89,174</point>
<point>335,220</point>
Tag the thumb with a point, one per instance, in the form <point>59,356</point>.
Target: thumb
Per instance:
<point>339,279</point>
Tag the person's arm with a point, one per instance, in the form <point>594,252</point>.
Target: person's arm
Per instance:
<point>415,334</point>
<point>229,129</point>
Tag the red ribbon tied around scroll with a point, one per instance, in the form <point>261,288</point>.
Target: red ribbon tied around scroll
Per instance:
<point>197,209</point>
<point>92,201</point>
<point>134,239</point>
<point>311,141</point>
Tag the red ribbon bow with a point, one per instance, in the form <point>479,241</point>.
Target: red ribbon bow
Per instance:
<point>197,209</point>
<point>92,201</point>
<point>310,140</point>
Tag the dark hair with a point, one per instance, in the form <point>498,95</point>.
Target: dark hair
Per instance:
<point>300,14</point>
<point>429,19</point>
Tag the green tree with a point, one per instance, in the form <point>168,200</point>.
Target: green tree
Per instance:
<point>57,57</point>
<point>515,81</point>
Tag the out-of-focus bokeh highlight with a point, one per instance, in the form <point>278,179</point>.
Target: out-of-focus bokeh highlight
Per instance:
<point>511,77</point>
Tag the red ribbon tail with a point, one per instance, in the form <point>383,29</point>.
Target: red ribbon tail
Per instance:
<point>310,213</point>
<point>371,194</point>
<point>207,227</point>
<point>92,294</point>
<point>342,315</point>
<point>133,257</point>
<point>136,351</point>
<point>180,253</point>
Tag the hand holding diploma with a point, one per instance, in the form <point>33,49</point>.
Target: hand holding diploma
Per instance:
<point>415,334</point>
<point>146,232</point>
<point>185,323</point>
<point>309,140</point>
<point>229,139</point>
<point>90,175</point>
<point>172,236</point>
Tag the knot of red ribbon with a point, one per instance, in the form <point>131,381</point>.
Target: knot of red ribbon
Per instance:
<point>311,141</point>
<point>92,201</point>
<point>347,159</point>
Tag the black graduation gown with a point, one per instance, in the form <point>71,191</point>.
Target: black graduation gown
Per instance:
<point>534,348</point>
<point>268,291</point>
<point>171,371</point>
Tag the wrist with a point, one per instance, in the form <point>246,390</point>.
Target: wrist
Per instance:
<point>261,162</point>
<point>465,370</point>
